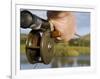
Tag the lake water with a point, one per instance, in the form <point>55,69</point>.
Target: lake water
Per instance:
<point>57,62</point>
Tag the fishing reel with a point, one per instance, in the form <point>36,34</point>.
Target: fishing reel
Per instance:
<point>41,40</point>
<point>39,47</point>
<point>39,43</point>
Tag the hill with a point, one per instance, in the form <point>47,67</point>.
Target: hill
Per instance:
<point>85,37</point>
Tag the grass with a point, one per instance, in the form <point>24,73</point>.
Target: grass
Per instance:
<point>22,48</point>
<point>61,49</point>
<point>66,50</point>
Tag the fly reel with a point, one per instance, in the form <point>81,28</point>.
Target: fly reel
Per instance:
<point>39,47</point>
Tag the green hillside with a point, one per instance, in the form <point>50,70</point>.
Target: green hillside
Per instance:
<point>86,37</point>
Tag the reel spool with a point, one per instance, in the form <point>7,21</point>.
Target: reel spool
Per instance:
<point>47,47</point>
<point>39,49</point>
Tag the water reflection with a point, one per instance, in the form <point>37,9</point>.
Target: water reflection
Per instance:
<point>57,62</point>
<point>70,61</point>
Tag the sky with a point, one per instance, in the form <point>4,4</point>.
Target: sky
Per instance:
<point>82,21</point>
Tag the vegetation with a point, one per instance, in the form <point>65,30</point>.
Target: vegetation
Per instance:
<point>22,48</point>
<point>66,50</point>
<point>22,43</point>
<point>76,47</point>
